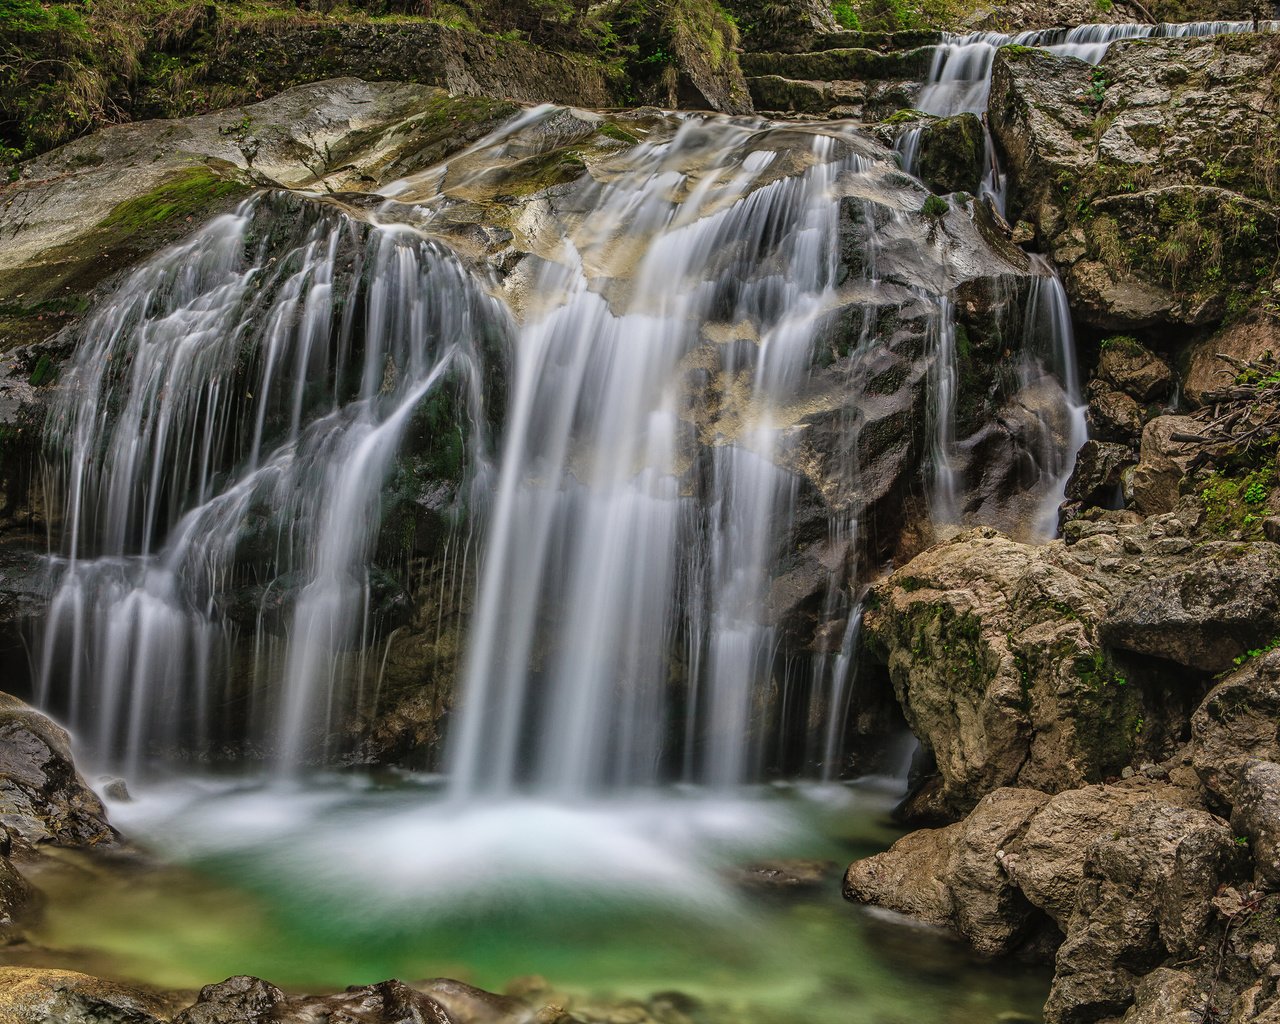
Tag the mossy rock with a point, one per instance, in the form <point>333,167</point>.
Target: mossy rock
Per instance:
<point>949,158</point>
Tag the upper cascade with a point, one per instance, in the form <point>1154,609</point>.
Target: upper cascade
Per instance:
<point>960,77</point>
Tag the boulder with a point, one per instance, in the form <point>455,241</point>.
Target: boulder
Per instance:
<point>37,996</point>
<point>1146,896</point>
<point>1256,815</point>
<point>43,799</point>
<point>1162,463</point>
<point>949,157</point>
<point>992,650</point>
<point>1050,862</point>
<point>955,877</point>
<point>1134,369</point>
<point>1166,996</point>
<point>1099,471</point>
<point>1135,173</point>
<point>1113,415</point>
<point>1235,725</point>
<point>1247,340</point>
<point>1203,615</point>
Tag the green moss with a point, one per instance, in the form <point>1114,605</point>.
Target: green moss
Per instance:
<point>906,116</point>
<point>1236,505</point>
<point>188,194</point>
<point>612,131</point>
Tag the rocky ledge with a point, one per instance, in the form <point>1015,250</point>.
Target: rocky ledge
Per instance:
<point>1100,715</point>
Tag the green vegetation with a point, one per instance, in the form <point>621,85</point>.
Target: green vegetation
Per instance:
<point>935,206</point>
<point>899,15</point>
<point>185,195</point>
<point>1236,505</point>
<point>1257,652</point>
<point>846,17</point>
<point>70,66</point>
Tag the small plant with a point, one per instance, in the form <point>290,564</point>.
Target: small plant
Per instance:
<point>846,17</point>
<point>1256,652</point>
<point>1242,840</point>
<point>935,207</point>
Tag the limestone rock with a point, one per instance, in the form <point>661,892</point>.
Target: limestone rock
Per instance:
<point>1113,415</point>
<point>42,797</point>
<point>1256,815</point>
<point>1166,996</point>
<point>1050,863</point>
<point>955,877</point>
<point>1134,369</point>
<point>1162,463</point>
<point>1247,339</point>
<point>1236,725</point>
<point>1134,170</point>
<point>949,157</point>
<point>992,648</point>
<point>1099,472</point>
<point>1204,615</point>
<point>37,996</point>
<point>1146,895</point>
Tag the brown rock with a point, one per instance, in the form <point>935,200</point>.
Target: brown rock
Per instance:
<point>1235,725</point>
<point>42,797</point>
<point>1113,415</point>
<point>1256,815</point>
<point>1132,368</point>
<point>954,877</point>
<point>1247,339</point>
<point>1162,462</point>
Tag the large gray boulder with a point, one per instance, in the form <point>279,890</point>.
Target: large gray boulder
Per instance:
<point>955,877</point>
<point>1235,725</point>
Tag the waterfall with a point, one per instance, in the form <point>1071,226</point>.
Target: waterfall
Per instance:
<point>607,547</point>
<point>225,427</point>
<point>225,439</point>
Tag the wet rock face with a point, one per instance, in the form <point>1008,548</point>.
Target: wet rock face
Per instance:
<point>29,995</point>
<point>1134,172</point>
<point>42,797</point>
<point>950,155</point>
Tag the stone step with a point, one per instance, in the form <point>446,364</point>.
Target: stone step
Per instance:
<point>771,92</point>
<point>854,64</point>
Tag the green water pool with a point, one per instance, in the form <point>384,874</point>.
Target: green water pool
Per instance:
<point>350,880</point>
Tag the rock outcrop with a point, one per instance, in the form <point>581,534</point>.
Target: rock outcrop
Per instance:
<point>1143,175</point>
<point>43,799</point>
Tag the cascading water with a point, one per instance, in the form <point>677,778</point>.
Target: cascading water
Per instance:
<point>235,409</point>
<point>604,525</point>
<point>676,335</point>
<point>959,79</point>
<point>225,428</point>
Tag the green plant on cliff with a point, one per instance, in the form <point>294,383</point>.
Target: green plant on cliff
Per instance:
<point>1236,504</point>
